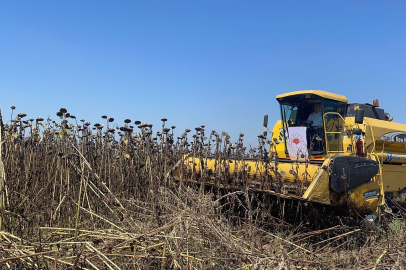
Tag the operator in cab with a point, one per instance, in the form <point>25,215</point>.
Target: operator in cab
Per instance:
<point>316,117</point>
<point>316,120</point>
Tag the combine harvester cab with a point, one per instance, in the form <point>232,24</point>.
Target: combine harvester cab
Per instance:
<point>323,150</point>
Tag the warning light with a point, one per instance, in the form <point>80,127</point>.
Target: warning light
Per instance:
<point>375,103</point>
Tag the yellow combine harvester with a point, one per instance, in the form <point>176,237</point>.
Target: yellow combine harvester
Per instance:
<point>323,150</point>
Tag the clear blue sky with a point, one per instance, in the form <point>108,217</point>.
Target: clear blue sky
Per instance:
<point>217,63</point>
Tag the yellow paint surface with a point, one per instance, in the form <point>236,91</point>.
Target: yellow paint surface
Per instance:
<point>320,93</point>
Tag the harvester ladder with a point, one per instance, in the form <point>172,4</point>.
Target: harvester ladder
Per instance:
<point>328,151</point>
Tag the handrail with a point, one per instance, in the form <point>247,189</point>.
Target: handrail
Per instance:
<point>330,132</point>
<point>372,134</point>
<point>380,180</point>
<point>381,186</point>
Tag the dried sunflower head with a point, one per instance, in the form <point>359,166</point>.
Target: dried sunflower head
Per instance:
<point>63,110</point>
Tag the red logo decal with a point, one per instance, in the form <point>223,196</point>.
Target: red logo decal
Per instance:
<point>296,141</point>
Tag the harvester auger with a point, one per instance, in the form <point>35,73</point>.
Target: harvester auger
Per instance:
<point>323,150</point>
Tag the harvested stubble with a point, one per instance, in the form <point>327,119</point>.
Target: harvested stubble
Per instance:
<point>76,197</point>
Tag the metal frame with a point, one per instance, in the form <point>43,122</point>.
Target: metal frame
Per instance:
<point>331,132</point>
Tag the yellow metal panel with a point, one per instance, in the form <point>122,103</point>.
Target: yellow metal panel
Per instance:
<point>379,128</point>
<point>394,177</point>
<point>364,197</point>
<point>286,171</point>
<point>292,172</point>
<point>320,93</point>
<point>278,138</point>
<point>319,189</point>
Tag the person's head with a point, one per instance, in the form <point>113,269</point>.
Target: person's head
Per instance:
<point>316,107</point>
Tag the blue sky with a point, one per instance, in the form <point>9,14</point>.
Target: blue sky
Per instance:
<point>217,63</point>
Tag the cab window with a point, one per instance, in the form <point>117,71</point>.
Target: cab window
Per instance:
<point>295,112</point>
<point>289,114</point>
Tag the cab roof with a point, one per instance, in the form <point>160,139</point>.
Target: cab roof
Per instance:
<point>320,93</point>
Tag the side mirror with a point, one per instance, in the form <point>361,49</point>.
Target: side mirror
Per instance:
<point>356,131</point>
<point>266,121</point>
<point>359,116</point>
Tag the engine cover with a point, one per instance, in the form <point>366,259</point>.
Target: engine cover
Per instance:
<point>348,172</point>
